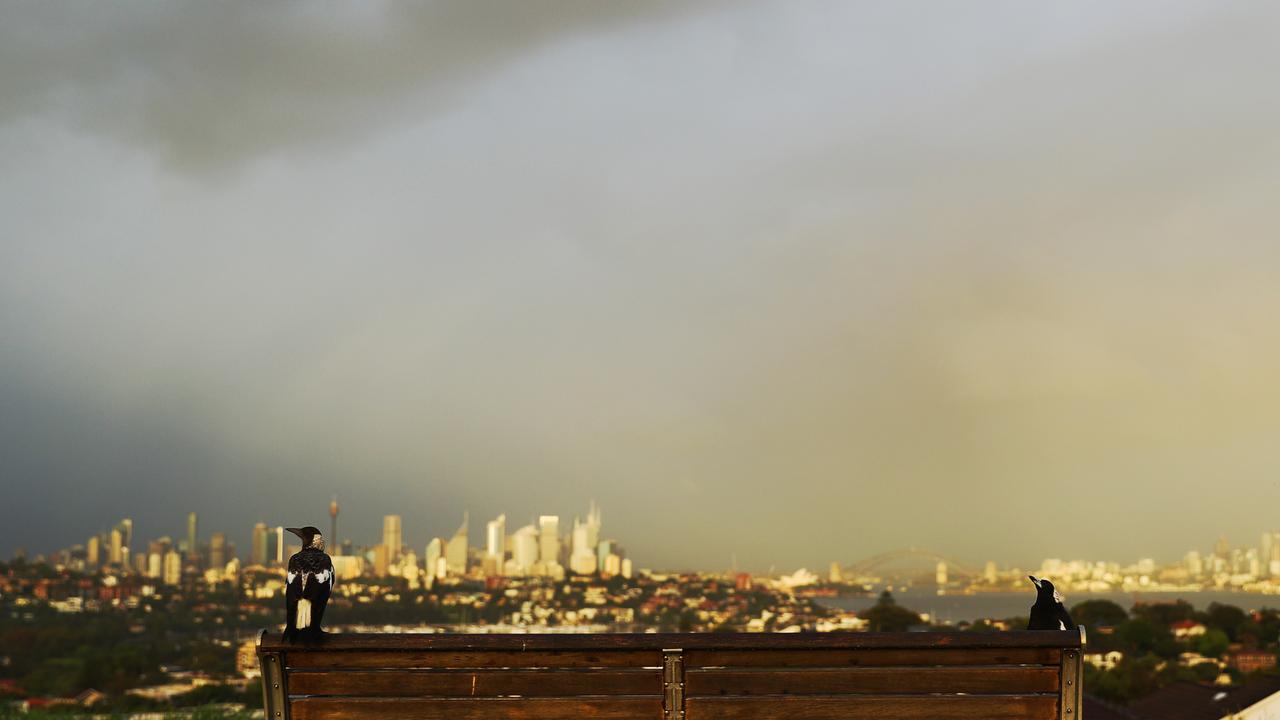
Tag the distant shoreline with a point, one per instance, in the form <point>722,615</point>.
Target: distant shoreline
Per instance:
<point>954,608</point>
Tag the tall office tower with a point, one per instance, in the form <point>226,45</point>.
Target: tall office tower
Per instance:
<point>612,565</point>
<point>115,554</point>
<point>593,525</point>
<point>1195,565</point>
<point>391,537</point>
<point>434,552</point>
<point>940,574</point>
<point>333,522</point>
<point>549,539</point>
<point>93,552</point>
<point>834,573</point>
<point>989,573</point>
<point>126,528</point>
<point>193,537</point>
<point>1222,548</point>
<point>409,567</point>
<point>261,539</point>
<point>455,552</point>
<point>172,568</point>
<point>155,565</point>
<point>217,550</point>
<point>280,544</point>
<point>582,557</point>
<point>496,539</point>
<point>603,549</point>
<point>524,549</point>
<point>381,565</point>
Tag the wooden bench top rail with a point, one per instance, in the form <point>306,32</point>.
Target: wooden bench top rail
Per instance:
<point>757,676</point>
<point>338,642</point>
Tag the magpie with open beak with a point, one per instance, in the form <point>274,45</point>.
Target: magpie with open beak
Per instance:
<point>308,584</point>
<point>1048,612</point>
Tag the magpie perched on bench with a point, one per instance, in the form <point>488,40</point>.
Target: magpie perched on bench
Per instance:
<point>309,582</point>
<point>1048,612</point>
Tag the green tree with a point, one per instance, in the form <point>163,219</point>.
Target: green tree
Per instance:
<point>1098,613</point>
<point>1164,614</point>
<point>1213,643</point>
<point>1227,618</point>
<point>888,616</point>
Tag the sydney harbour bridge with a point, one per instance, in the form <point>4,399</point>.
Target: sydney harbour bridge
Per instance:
<point>910,562</point>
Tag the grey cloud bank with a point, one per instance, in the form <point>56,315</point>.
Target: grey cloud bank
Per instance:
<point>799,282</point>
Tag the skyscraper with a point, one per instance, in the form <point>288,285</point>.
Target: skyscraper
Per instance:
<point>603,549</point>
<point>582,557</point>
<point>549,539</point>
<point>115,553</point>
<point>434,553</point>
<point>261,538</point>
<point>172,568</point>
<point>217,550</point>
<point>93,552</point>
<point>391,537</point>
<point>193,539</point>
<point>496,539</point>
<point>524,549</point>
<point>456,551</point>
<point>280,544</point>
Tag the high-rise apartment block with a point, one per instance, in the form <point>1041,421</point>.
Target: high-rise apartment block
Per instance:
<point>456,550</point>
<point>261,541</point>
<point>392,539</point>
<point>218,550</point>
<point>549,539</point>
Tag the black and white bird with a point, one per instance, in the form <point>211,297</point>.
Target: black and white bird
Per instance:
<point>309,582</point>
<point>1048,612</point>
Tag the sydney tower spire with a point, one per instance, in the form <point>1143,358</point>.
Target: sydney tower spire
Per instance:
<point>333,521</point>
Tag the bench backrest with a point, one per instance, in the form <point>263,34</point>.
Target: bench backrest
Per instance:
<point>887,676</point>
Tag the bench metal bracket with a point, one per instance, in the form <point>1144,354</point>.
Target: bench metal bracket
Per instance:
<point>672,684</point>
<point>274,695</point>
<point>1071,694</point>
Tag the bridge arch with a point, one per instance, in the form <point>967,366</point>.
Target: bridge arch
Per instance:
<point>866,565</point>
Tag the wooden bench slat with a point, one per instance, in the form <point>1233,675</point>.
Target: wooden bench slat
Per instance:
<point>481,683</point>
<point>871,658</point>
<point>342,642</point>
<point>977,707</point>
<point>476,708</point>
<point>973,680</point>
<point>300,659</point>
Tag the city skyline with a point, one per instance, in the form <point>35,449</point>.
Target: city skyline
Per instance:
<point>550,536</point>
<point>779,280</point>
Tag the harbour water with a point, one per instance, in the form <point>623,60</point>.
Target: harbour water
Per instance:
<point>953,608</point>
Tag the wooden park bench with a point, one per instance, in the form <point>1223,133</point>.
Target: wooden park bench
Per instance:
<point>886,676</point>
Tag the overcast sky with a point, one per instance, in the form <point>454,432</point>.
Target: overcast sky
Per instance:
<point>800,281</point>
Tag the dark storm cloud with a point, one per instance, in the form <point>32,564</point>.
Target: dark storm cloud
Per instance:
<point>212,84</point>
<point>800,282</point>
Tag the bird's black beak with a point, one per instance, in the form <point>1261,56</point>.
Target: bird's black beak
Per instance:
<point>295,531</point>
<point>1034,580</point>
